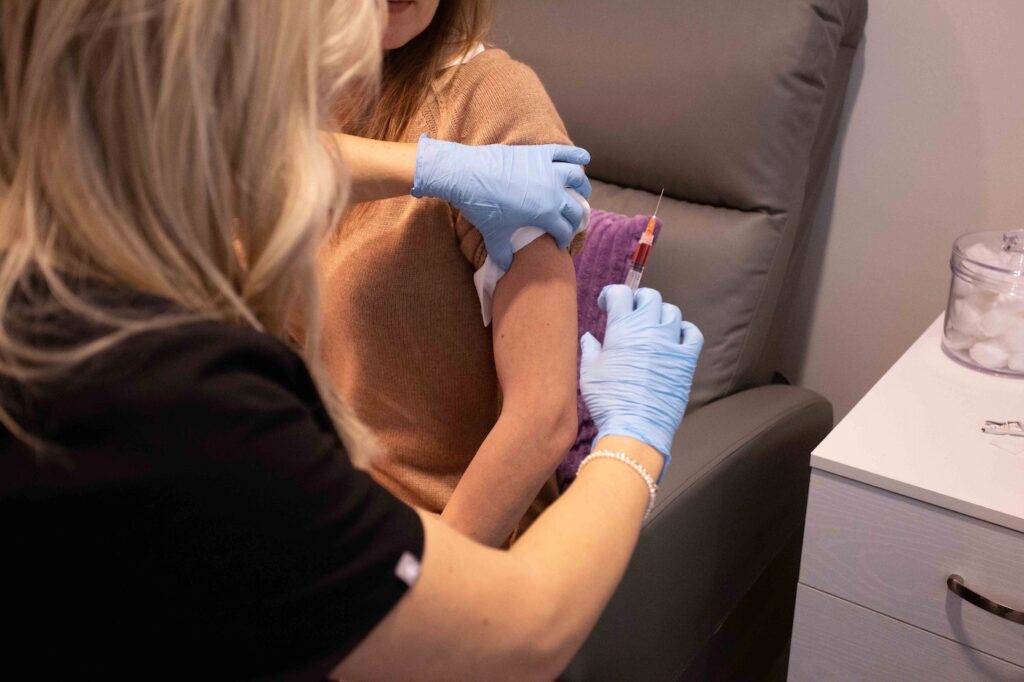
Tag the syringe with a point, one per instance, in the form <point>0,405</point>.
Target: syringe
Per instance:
<point>643,249</point>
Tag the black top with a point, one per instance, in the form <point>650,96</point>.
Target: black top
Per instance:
<point>204,519</point>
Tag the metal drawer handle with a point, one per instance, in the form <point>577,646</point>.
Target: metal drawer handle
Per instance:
<point>956,585</point>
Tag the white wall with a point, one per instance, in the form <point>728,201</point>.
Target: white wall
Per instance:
<point>932,147</point>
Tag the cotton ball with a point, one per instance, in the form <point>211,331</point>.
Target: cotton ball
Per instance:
<point>957,340</point>
<point>1013,303</point>
<point>996,321</point>
<point>1016,362</point>
<point>980,299</point>
<point>1013,338</point>
<point>989,354</point>
<point>981,253</point>
<point>966,318</point>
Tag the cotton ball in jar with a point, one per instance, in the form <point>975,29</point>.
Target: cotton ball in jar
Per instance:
<point>981,254</point>
<point>957,340</point>
<point>981,299</point>
<point>1013,303</point>
<point>989,354</point>
<point>1016,362</point>
<point>966,318</point>
<point>1013,338</point>
<point>996,322</point>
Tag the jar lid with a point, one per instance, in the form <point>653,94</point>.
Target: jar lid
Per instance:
<point>994,256</point>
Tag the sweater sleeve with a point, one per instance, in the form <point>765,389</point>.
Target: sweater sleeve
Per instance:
<point>497,100</point>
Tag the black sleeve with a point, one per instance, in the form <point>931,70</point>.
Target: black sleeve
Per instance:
<point>266,549</point>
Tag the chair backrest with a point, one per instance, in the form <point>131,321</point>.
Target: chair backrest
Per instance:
<point>731,106</point>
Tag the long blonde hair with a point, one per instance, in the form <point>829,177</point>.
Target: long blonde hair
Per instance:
<point>175,147</point>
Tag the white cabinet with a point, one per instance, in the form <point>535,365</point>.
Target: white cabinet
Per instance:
<point>906,492</point>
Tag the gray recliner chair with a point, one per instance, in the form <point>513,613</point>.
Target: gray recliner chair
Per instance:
<point>733,107</point>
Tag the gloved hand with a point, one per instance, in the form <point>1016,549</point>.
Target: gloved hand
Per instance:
<point>500,188</point>
<point>638,384</point>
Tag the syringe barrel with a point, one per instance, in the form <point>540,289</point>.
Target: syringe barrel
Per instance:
<point>641,253</point>
<point>633,278</point>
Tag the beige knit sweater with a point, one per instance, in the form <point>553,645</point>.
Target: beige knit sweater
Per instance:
<point>402,334</point>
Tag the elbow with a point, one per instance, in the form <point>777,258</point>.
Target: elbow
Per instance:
<point>561,423</point>
<point>553,637</point>
<point>564,426</point>
<point>551,421</point>
<point>563,636</point>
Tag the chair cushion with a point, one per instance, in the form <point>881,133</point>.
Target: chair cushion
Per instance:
<point>710,262</point>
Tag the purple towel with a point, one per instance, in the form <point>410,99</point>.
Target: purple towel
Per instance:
<point>605,259</point>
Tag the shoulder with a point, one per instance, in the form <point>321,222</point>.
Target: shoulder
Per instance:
<point>496,99</point>
<point>490,77</point>
<point>170,390</point>
<point>187,358</point>
<point>490,65</point>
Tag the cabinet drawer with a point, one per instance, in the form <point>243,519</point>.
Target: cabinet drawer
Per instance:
<point>836,640</point>
<point>893,555</point>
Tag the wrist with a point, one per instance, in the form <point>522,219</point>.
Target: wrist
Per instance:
<point>647,456</point>
<point>427,152</point>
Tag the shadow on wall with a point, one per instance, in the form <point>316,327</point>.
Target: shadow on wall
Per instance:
<point>796,305</point>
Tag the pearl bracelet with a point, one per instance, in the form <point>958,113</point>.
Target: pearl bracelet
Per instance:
<point>652,487</point>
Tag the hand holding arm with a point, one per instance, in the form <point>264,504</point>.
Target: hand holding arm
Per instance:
<point>500,188</point>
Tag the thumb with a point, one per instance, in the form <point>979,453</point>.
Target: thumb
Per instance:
<point>569,154</point>
<point>501,254</point>
<point>590,348</point>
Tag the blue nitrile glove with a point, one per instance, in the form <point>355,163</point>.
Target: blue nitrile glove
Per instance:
<point>638,384</point>
<point>500,188</point>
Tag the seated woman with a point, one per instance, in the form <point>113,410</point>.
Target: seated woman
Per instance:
<point>451,408</point>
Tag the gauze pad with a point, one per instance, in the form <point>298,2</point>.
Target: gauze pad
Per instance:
<point>486,278</point>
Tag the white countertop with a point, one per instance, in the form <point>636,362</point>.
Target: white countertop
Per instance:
<point>918,433</point>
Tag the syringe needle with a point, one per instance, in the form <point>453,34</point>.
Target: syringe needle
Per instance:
<point>658,205</point>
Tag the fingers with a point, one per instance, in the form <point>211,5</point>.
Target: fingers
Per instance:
<point>576,179</point>
<point>501,254</point>
<point>572,211</point>
<point>569,154</point>
<point>616,300</point>
<point>590,348</point>
<point>560,229</point>
<point>693,339</point>
<point>671,316</point>
<point>648,305</point>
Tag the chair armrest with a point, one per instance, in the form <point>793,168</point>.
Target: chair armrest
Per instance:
<point>750,421</point>
<point>735,494</point>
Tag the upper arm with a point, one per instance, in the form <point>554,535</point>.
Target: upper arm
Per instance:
<point>534,303</point>
<point>474,610</point>
<point>535,331</point>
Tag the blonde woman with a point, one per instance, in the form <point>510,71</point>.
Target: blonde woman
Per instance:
<point>175,499</point>
<point>451,409</point>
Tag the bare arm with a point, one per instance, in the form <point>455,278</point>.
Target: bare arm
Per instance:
<point>535,357</point>
<point>378,170</point>
<point>479,613</point>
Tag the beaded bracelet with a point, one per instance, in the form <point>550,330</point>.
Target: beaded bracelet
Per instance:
<point>652,487</point>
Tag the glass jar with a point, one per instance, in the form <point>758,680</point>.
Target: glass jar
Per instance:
<point>984,326</point>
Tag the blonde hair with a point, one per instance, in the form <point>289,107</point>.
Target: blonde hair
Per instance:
<point>147,142</point>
